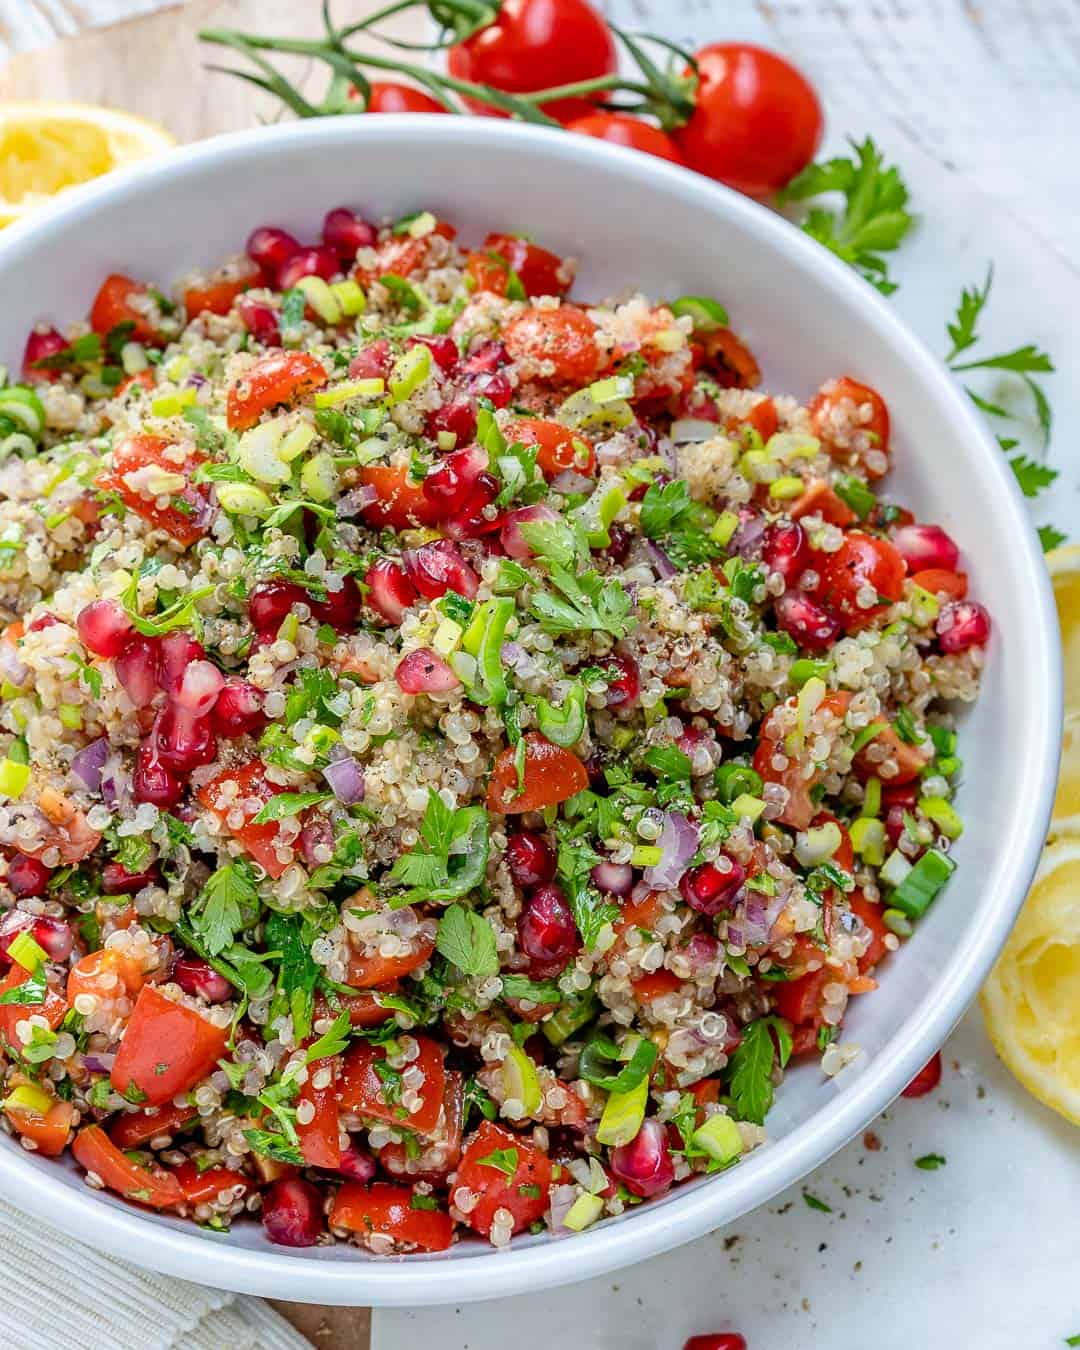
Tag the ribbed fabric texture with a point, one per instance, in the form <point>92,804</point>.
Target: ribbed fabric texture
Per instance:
<point>59,1294</point>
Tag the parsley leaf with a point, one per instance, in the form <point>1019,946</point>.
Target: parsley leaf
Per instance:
<point>504,1160</point>
<point>586,604</point>
<point>274,1146</point>
<point>283,804</point>
<point>29,993</point>
<point>671,514</point>
<point>812,1202</point>
<point>451,857</point>
<point>536,991</point>
<point>331,1042</point>
<point>292,935</point>
<point>468,940</point>
<point>1031,476</point>
<point>591,912</point>
<point>752,1064</point>
<point>1050,538</point>
<point>930,1162</point>
<point>229,902</point>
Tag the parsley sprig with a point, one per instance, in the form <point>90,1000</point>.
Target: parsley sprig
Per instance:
<point>451,856</point>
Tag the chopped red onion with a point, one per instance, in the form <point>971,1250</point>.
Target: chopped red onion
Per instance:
<point>678,843</point>
<point>664,568</point>
<point>353,502</point>
<point>346,779</point>
<point>89,762</point>
<point>614,878</point>
<point>746,541</point>
<point>11,667</point>
<point>99,1063</point>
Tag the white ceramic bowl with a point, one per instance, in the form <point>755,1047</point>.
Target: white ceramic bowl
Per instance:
<point>633,221</point>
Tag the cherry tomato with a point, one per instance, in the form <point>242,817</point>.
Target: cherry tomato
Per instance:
<point>728,359</point>
<point>400,503</point>
<point>367,1094</point>
<point>250,780</point>
<point>364,1009</point>
<point>551,775</point>
<point>800,1000</point>
<point>537,44</point>
<point>444,1149</point>
<point>94,1150</point>
<point>871,917</point>
<point>851,419</point>
<point>385,1209</point>
<point>861,561</point>
<point>820,500</point>
<point>390,97</point>
<point>928,1077</point>
<point>557,447</point>
<point>49,1130</point>
<point>370,972</point>
<point>910,760</point>
<point>139,1127</point>
<point>53,1009</point>
<point>135,453</point>
<point>106,974</point>
<point>619,129</point>
<point>800,809</point>
<point>540,272</point>
<point>166,1049</point>
<point>525,1194</point>
<point>320,1137</point>
<point>276,378</point>
<point>203,1188</point>
<point>218,293</point>
<point>655,985</point>
<point>757,122</point>
<point>402,255</point>
<point>112,305</point>
<point>721,1340</point>
<point>554,346</point>
<point>940,581</point>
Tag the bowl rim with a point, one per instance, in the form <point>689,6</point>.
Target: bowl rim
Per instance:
<point>124,1232</point>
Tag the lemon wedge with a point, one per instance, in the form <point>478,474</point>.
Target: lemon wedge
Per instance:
<point>1064,565</point>
<point>47,147</point>
<point>1031,1002</point>
<point>1066,817</point>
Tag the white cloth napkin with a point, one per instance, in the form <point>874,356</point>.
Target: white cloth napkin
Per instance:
<point>35,23</point>
<point>58,1294</point>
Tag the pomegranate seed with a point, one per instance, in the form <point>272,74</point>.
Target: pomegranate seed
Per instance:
<point>710,891</point>
<point>458,417</point>
<point>341,608</point>
<point>238,710</point>
<point>137,669</point>
<point>472,519</point>
<point>644,1166</point>
<point>546,930</point>
<point>928,1077</point>
<point>103,627</point>
<point>702,950</point>
<point>260,320</point>
<point>198,979</point>
<point>200,685</point>
<point>595,768</point>
<point>621,539</point>
<point>390,592</point>
<point>271,248</point>
<point>54,937</point>
<point>371,362</point>
<point>496,388</point>
<point>345,232</point>
<point>356,1163</point>
<point>444,350</point>
<point>894,824</point>
<point>39,346</point>
<point>806,620</point>
<point>923,546</point>
<point>900,794</point>
<point>292,1213</point>
<point>318,262</point>
<point>624,682</point>
<point>785,549</point>
<point>449,483</point>
<point>425,672</point>
<point>117,880</point>
<point>42,622</point>
<point>487,358</point>
<point>530,859</point>
<point>510,536</point>
<point>317,834</point>
<point>27,876</point>
<point>271,602</point>
<point>153,781</point>
<point>961,625</point>
<point>175,654</point>
<point>182,740</point>
<point>439,567</point>
<point>613,878</point>
<point>721,1340</point>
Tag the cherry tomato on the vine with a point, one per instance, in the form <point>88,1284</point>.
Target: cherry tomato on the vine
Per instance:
<point>619,129</point>
<point>389,97</point>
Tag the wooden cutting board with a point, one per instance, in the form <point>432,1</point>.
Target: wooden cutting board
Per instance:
<point>156,66</point>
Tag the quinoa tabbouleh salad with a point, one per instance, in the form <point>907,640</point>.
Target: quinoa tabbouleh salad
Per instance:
<point>458,743</point>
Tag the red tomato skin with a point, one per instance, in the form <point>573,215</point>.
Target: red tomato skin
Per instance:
<point>910,760</point>
<point>540,272</point>
<point>656,985</point>
<point>394,1158</point>
<point>49,1132</point>
<point>819,499</point>
<point>259,840</point>
<point>389,97</point>
<point>112,305</point>
<point>928,1077</point>
<point>362,1090</point>
<point>631,132</point>
<point>565,338</point>
<point>136,452</point>
<point>842,390</point>
<point>800,1000</point>
<point>537,44</point>
<point>95,1151</point>
<point>721,1340</point>
<point>495,1188</point>
<point>320,1137</point>
<point>218,294</point>
<point>276,378</point>
<point>552,774</point>
<point>385,1208</point>
<point>871,917</point>
<point>939,580</point>
<point>166,1049</point>
<point>861,560</point>
<point>757,122</point>
<point>371,972</point>
<point>557,447</point>
<point>400,504</point>
<point>139,1127</point>
<point>363,1009</point>
<point>53,1009</point>
<point>201,1188</point>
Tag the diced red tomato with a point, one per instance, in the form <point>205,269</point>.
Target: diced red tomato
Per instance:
<point>525,1194</point>
<point>367,1094</point>
<point>845,855</point>
<point>275,379</point>
<point>540,272</point>
<point>49,1131</point>
<point>939,580</point>
<point>861,561</point>
<point>112,305</point>
<point>800,1000</point>
<point>552,774</point>
<point>800,808</point>
<point>655,985</point>
<point>400,503</point>
<point>370,972</point>
<point>402,255</point>
<point>761,418</point>
<point>555,346</point>
<point>253,787</point>
<point>218,294</point>
<point>871,917</point>
<point>387,1210</point>
<point>846,396</point>
<point>728,359</point>
<point>105,974</point>
<point>557,447</point>
<point>144,379</point>
<point>166,1049</point>
<point>820,500</point>
<point>394,1157</point>
<point>202,1188</point>
<point>11,1014</point>
<point>140,452</point>
<point>364,1009</point>
<point>910,760</point>
<point>641,913</point>
<point>94,1150</point>
<point>320,1137</point>
<point>139,1127</point>
<point>928,1077</point>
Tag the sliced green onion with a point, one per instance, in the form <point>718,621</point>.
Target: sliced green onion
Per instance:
<point>520,1080</point>
<point>570,1016</point>
<point>856,494</point>
<point>172,405</point>
<point>25,952</point>
<point>783,446</point>
<point>602,404</point>
<point>623,1115</point>
<point>804,669</point>
<point>896,921</point>
<point>296,441</point>
<point>13,778</point>
<point>563,725</point>
<point>598,512</point>
<point>720,1138</point>
<point>919,888</point>
<point>341,393</point>
<point>871,797</point>
<point>924,607</point>
<point>868,840</point>
<point>18,751</point>
<point>748,807</point>
<point>723,527</point>
<point>410,371</point>
<point>133,358</point>
<point>319,479</point>
<point>243,499</point>
<point>350,297</point>
<point>786,489</point>
<point>817,845</point>
<point>321,298</point>
<point>447,637</point>
<point>737,780</point>
<point>585,1210</point>
<point>895,870</point>
<point>70,716</point>
<point>868,734</point>
<point>257,452</point>
<point>706,314</point>
<point>941,811</point>
<point>482,643</point>
<point>23,407</point>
